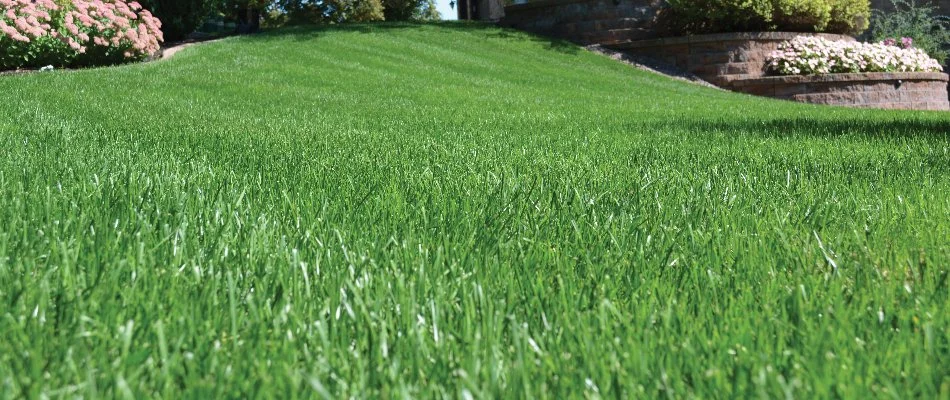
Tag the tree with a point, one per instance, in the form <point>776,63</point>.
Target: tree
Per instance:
<point>180,17</point>
<point>356,10</point>
<point>429,12</point>
<point>401,10</point>
<point>247,13</point>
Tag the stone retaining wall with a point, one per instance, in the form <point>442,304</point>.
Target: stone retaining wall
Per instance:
<point>903,90</point>
<point>717,58</point>
<point>737,61</point>
<point>586,21</point>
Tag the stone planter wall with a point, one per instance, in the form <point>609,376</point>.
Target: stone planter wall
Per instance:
<point>718,58</point>
<point>904,90</point>
<point>586,21</point>
<point>737,61</point>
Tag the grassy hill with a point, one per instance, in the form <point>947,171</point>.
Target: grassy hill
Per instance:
<point>454,210</point>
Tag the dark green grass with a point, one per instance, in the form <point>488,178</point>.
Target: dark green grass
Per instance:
<point>452,210</point>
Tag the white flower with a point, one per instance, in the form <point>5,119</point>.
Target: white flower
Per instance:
<point>810,55</point>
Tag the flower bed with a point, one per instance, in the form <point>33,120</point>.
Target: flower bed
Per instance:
<point>37,33</point>
<point>806,55</point>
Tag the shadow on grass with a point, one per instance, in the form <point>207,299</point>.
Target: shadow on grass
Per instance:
<point>912,127</point>
<point>311,32</point>
<point>558,45</point>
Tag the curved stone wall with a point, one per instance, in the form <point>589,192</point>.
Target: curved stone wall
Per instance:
<point>737,61</point>
<point>893,90</point>
<point>718,58</point>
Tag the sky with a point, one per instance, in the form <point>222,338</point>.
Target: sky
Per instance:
<point>446,11</point>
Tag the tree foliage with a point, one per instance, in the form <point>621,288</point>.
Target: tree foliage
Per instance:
<point>181,17</point>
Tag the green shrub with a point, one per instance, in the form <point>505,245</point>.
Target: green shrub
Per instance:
<point>714,16</point>
<point>930,32</point>
<point>801,15</point>
<point>181,17</point>
<point>849,16</point>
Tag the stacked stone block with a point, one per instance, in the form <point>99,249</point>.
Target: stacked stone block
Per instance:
<point>906,90</point>
<point>719,58</point>
<point>586,21</point>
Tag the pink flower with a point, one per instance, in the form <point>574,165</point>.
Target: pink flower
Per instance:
<point>72,28</point>
<point>111,25</point>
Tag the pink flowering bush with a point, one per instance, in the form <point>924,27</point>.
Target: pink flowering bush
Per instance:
<point>806,55</point>
<point>35,33</point>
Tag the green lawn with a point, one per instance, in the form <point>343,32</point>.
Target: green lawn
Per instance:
<point>453,210</point>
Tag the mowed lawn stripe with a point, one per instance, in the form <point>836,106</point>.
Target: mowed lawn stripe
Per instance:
<point>456,209</point>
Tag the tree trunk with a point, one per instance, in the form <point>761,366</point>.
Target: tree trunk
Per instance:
<point>248,20</point>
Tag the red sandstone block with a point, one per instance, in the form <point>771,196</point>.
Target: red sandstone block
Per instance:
<point>747,56</point>
<point>707,72</point>
<point>917,85</point>
<point>741,68</point>
<point>712,47</point>
<point>758,90</point>
<point>675,49</point>
<point>826,98</point>
<point>873,97</point>
<point>788,90</point>
<point>841,87</point>
<point>710,58</point>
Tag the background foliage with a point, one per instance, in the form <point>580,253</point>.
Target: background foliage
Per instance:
<point>714,16</point>
<point>930,32</point>
<point>181,17</point>
<point>298,12</point>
